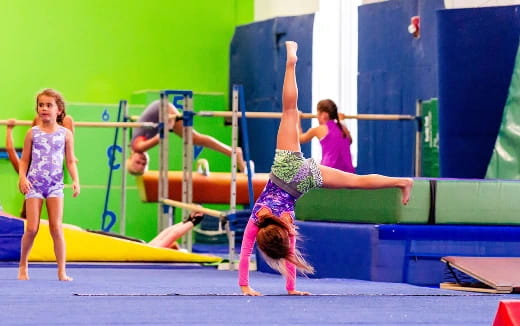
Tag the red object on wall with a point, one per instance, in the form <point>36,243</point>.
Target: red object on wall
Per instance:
<point>415,25</point>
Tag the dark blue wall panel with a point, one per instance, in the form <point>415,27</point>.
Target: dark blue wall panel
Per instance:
<point>258,63</point>
<point>11,232</point>
<point>395,70</point>
<point>477,50</point>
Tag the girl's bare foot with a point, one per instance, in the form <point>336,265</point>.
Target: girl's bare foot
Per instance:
<point>246,290</point>
<point>291,48</point>
<point>406,190</point>
<point>23,275</point>
<point>296,292</point>
<point>64,277</point>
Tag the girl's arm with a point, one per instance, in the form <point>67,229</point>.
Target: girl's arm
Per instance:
<point>318,132</point>
<point>68,123</point>
<point>23,166</point>
<point>9,145</point>
<point>71,162</point>
<point>141,144</point>
<point>307,136</point>
<point>248,242</point>
<point>290,280</point>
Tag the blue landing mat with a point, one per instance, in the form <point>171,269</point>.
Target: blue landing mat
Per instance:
<point>45,301</point>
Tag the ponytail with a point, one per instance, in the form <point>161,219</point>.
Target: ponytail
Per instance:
<point>332,110</point>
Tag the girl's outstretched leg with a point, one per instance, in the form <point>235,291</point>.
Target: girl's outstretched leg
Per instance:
<point>288,137</point>
<point>336,179</point>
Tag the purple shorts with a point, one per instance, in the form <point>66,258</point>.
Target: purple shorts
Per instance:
<point>54,190</point>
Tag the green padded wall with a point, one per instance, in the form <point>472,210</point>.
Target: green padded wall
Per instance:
<point>477,202</point>
<point>505,160</point>
<point>365,206</point>
<point>103,51</point>
<point>91,146</point>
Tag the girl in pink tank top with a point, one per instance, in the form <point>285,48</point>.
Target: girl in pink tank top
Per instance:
<point>335,138</point>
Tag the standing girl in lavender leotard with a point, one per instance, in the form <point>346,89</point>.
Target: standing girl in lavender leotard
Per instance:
<point>41,177</point>
<point>271,223</point>
<point>334,136</point>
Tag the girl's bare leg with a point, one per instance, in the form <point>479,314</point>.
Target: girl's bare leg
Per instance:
<point>288,137</point>
<point>336,179</point>
<point>33,209</point>
<point>168,237</point>
<point>55,212</point>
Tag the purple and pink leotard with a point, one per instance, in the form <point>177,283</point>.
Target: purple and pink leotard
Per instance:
<point>291,176</point>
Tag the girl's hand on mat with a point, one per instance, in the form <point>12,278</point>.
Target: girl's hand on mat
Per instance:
<point>246,290</point>
<point>294,292</point>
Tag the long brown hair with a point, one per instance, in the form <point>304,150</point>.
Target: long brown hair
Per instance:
<point>273,240</point>
<point>58,98</point>
<point>332,110</point>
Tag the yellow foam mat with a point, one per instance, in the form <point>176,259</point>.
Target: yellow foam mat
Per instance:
<point>87,246</point>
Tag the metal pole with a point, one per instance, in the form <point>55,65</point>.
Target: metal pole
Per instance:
<point>233,189</point>
<point>187,182</point>
<point>418,139</point>
<point>122,223</point>
<point>164,210</point>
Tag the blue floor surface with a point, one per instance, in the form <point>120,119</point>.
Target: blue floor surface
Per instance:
<point>124,294</point>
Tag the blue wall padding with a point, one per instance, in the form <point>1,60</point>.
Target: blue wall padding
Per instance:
<point>258,63</point>
<point>449,232</point>
<point>333,254</point>
<point>334,249</point>
<point>395,70</point>
<point>477,50</point>
<point>11,232</point>
<point>397,253</point>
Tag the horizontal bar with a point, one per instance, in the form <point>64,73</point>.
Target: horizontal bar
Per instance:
<point>194,208</point>
<point>278,115</point>
<point>307,115</point>
<point>93,124</point>
<point>171,116</point>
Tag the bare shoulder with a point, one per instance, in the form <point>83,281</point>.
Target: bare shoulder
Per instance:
<point>68,133</point>
<point>68,119</point>
<point>321,131</point>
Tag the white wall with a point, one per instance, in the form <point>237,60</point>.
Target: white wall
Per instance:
<point>266,9</point>
<point>334,52</point>
<point>334,65</point>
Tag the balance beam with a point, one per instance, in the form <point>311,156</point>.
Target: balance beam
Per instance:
<point>212,189</point>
